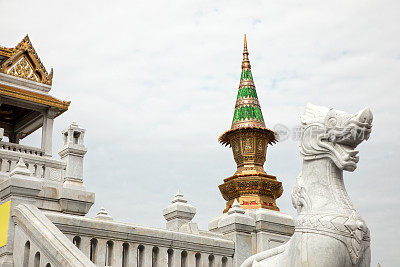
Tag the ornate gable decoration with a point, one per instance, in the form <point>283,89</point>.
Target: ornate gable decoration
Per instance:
<point>23,62</point>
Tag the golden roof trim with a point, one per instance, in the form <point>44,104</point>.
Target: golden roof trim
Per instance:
<point>224,138</point>
<point>34,97</point>
<point>14,55</point>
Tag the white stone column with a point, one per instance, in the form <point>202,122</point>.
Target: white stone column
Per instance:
<point>117,254</point>
<point>85,246</point>
<point>229,262</point>
<point>132,257</point>
<point>191,259</point>
<point>101,252</point>
<point>217,261</point>
<point>32,253</point>
<point>47,134</point>
<point>204,259</point>
<point>4,166</point>
<point>162,260</point>
<point>148,253</point>
<point>177,258</point>
<point>13,164</point>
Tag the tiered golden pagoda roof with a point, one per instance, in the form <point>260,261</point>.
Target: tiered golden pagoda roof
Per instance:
<point>250,185</point>
<point>248,112</point>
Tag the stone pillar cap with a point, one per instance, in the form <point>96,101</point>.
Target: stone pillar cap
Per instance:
<point>236,220</point>
<point>179,209</point>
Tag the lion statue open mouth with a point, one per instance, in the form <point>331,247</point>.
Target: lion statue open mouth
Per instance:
<point>334,134</point>
<point>329,231</point>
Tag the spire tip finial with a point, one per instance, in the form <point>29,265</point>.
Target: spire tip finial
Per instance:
<point>245,44</point>
<point>245,62</point>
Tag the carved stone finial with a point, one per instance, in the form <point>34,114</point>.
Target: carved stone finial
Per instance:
<point>103,215</point>
<point>179,198</point>
<point>21,168</point>
<point>236,208</point>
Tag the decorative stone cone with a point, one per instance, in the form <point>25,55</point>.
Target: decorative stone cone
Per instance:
<point>21,168</point>
<point>236,208</point>
<point>103,215</point>
<point>179,198</point>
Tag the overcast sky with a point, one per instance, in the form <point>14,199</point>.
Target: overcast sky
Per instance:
<point>154,83</point>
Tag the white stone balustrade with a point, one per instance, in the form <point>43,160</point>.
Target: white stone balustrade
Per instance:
<point>40,166</point>
<point>138,246</point>
<point>38,243</point>
<point>21,148</point>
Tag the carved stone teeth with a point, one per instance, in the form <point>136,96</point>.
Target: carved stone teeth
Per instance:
<point>353,153</point>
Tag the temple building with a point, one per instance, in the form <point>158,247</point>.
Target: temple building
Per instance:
<point>44,202</point>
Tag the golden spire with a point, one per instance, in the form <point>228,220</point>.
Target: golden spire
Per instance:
<point>246,61</point>
<point>250,185</point>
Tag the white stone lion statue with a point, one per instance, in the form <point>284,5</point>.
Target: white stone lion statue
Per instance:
<point>329,231</point>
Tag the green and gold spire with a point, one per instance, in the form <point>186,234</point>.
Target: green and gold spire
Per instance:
<point>250,185</point>
<point>247,109</point>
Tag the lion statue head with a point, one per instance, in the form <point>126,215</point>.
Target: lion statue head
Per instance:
<point>334,134</point>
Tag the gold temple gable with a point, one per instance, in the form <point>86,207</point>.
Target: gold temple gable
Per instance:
<point>22,61</point>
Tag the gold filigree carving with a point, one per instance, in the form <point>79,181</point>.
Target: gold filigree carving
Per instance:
<point>248,145</point>
<point>23,69</point>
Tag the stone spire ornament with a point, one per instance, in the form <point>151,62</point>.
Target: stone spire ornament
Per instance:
<point>103,215</point>
<point>250,185</point>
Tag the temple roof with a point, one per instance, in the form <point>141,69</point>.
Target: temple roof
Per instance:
<point>247,109</point>
<point>22,61</point>
<point>24,91</point>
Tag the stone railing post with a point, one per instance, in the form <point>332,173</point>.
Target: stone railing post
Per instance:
<point>72,153</point>
<point>273,228</point>
<point>179,213</point>
<point>238,227</point>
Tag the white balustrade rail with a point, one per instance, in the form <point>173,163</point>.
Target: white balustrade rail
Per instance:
<point>39,243</point>
<point>21,148</point>
<point>108,243</point>
<point>41,167</point>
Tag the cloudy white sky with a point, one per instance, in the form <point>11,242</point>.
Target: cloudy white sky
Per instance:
<point>154,83</point>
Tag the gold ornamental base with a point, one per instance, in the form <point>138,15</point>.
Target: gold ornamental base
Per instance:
<point>252,192</point>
